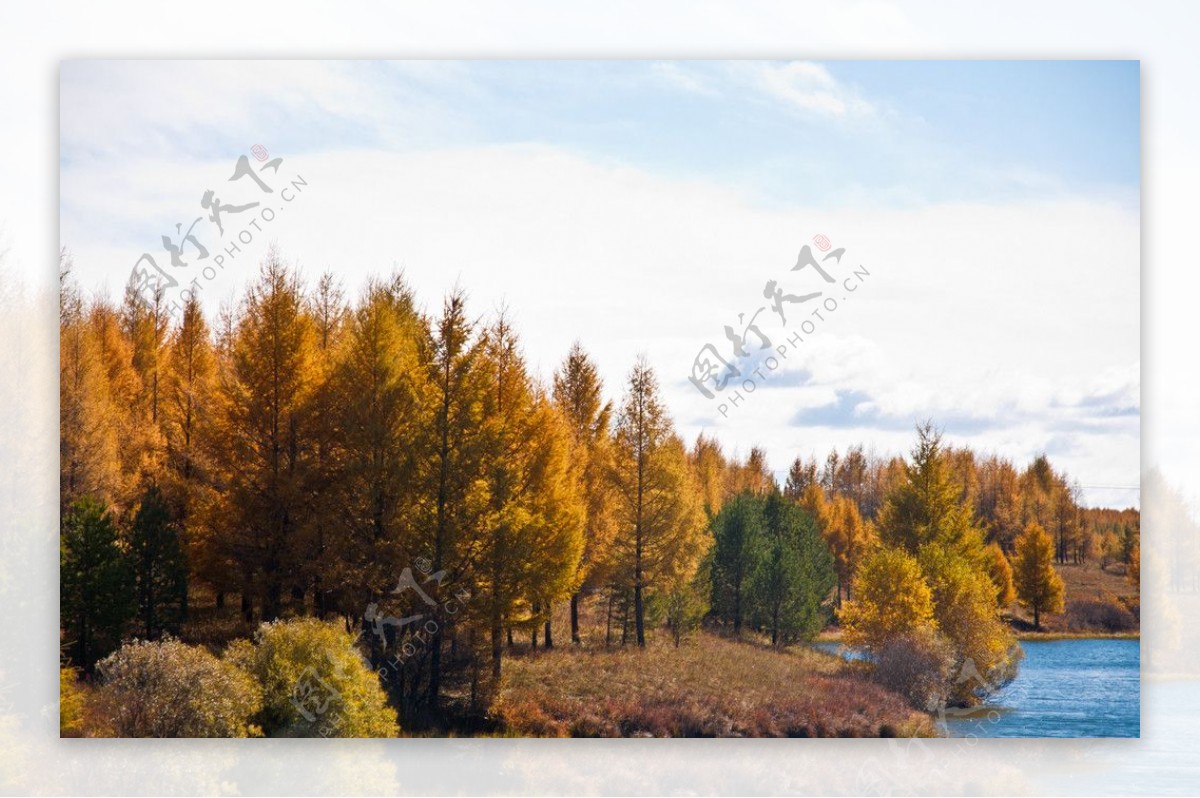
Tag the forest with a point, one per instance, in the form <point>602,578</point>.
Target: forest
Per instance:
<point>316,515</point>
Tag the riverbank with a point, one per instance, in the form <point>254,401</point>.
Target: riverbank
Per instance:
<point>1050,636</point>
<point>710,686</point>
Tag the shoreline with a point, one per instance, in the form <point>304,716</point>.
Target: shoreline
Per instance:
<point>1034,637</point>
<point>835,636</point>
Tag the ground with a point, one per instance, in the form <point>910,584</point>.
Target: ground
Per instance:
<point>709,686</point>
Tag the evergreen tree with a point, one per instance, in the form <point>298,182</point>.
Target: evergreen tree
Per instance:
<point>95,585</point>
<point>793,574</point>
<point>928,506</point>
<point>737,537</point>
<point>159,566</point>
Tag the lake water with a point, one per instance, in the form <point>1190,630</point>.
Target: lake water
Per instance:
<point>1065,688</point>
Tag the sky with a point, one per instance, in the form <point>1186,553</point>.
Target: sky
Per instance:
<point>978,223</point>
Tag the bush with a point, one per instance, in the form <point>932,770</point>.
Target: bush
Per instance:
<point>1106,615</point>
<point>169,689</point>
<point>314,682</point>
<point>71,699</point>
<point>918,665</point>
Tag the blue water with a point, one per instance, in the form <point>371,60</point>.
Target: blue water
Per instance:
<point>1065,688</point>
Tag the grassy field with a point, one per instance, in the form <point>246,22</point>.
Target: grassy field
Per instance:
<point>710,686</point>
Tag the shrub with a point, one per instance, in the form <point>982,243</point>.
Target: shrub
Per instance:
<point>1090,615</point>
<point>71,700</point>
<point>169,689</point>
<point>918,665</point>
<point>314,682</point>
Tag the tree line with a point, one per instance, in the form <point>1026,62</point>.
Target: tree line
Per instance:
<point>307,455</point>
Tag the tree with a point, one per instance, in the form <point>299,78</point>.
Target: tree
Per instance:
<point>928,506</point>
<point>89,432</point>
<point>313,682</point>
<point>95,587</point>
<point>999,502</point>
<point>891,598</point>
<point>377,398</point>
<point>1039,587</point>
<point>530,551</point>
<point>72,698</point>
<point>578,395</point>
<point>801,475</point>
<point>965,610</point>
<point>265,434</point>
<point>737,537</point>
<point>686,608</point>
<point>849,538</point>
<point>1001,575</point>
<point>793,573</point>
<point>661,533</point>
<point>189,478</point>
<point>328,526</point>
<point>455,499</point>
<point>712,473</point>
<point>160,573</point>
<point>169,689</point>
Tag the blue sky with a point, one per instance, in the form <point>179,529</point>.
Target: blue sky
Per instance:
<point>922,131</point>
<point>641,206</point>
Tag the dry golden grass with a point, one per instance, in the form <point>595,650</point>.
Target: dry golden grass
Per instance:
<point>709,687</point>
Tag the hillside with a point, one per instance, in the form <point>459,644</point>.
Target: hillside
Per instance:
<point>1098,601</point>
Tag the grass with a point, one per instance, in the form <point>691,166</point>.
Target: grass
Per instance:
<point>708,687</point>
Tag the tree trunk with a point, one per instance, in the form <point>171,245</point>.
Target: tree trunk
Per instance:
<point>496,645</point>
<point>608,624</point>
<point>549,635</point>
<point>737,610</point>
<point>575,618</point>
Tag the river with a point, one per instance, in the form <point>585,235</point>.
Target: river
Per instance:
<point>1065,688</point>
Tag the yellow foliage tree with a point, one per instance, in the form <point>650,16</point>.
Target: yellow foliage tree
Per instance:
<point>1001,575</point>
<point>849,538</point>
<point>662,533</point>
<point>578,395</point>
<point>1039,587</point>
<point>891,598</point>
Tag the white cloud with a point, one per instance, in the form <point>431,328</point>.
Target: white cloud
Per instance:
<point>1009,314</point>
<point>678,76</point>
<point>806,86</point>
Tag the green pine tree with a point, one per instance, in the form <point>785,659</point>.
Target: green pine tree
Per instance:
<point>95,588</point>
<point>159,567</point>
